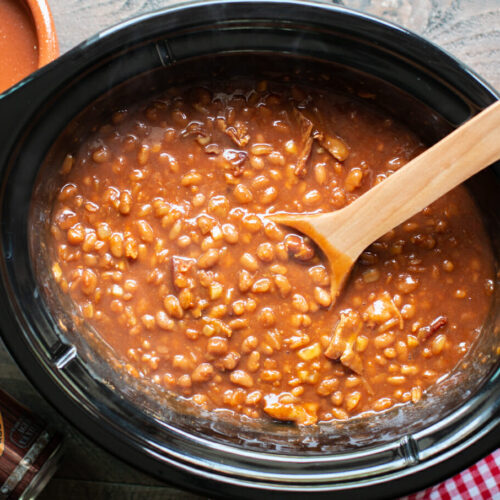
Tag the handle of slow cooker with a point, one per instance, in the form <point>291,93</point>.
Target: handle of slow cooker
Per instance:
<point>20,105</point>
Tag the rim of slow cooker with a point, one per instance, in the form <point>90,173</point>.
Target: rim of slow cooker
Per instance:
<point>26,351</point>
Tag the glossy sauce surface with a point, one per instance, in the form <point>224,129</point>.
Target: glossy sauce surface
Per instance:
<point>18,43</point>
<point>160,237</point>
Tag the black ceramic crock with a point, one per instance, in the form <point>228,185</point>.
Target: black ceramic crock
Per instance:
<point>382,456</point>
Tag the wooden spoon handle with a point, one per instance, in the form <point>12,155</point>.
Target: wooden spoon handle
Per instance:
<point>464,152</point>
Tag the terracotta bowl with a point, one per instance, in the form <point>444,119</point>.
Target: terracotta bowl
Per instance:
<point>48,46</point>
<point>28,39</point>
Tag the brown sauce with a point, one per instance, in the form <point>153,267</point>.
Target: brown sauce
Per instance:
<point>18,43</point>
<point>159,235</point>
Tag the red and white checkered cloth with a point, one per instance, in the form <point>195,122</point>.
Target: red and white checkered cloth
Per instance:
<point>481,481</point>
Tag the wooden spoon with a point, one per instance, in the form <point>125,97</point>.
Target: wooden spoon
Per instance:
<point>344,234</point>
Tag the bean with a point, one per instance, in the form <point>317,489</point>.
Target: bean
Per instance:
<point>125,203</point>
<point>192,178</point>
<point>416,394</point>
<point>266,317</point>
<point>291,147</point>
<point>198,200</point>
<point>310,352</point>
<point>322,297</point>
<point>300,303</point>
<point>297,247</point>
<point>218,205</point>
<point>407,283</point>
<point>382,404</point>
<point>249,262</point>
<point>281,252</point>
<point>76,234</point>
<point>353,179</point>
<point>269,195</point>
<point>352,400</point>
<point>208,259</point>
<point>145,231</point>
<point>312,198</point>
<point>320,173</point>
<point>253,398</point>
<point>89,281</point>
<point>448,265</point>
<point>261,286</point>
<point>409,370</point>
<point>241,377</point>
<point>396,379</point>
<point>249,344</point>
<point>202,373</point>
<point>253,362</point>
<point>101,155</point>
<point>116,245</point>
<point>371,275</point>
<point>251,223</point>
<point>337,398</point>
<point>163,321</point>
<point>339,414</point>
<point>184,241</point>
<point>384,340</point>
<point>338,198</point>
<point>265,252</point>
<point>217,346</point>
<point>238,307</point>
<point>273,232</point>
<point>184,381</point>
<point>327,386</point>
<point>230,233</point>
<point>67,164</point>
<point>276,158</point>
<point>103,231</point>
<point>57,272</point>
<point>261,149</point>
<point>390,352</point>
<point>270,375</point>
<point>242,194</point>
<point>116,306</point>
<point>257,162</point>
<point>143,154</point>
<point>148,321</point>
<point>438,344</point>
<point>173,306</point>
<point>319,275</point>
<point>245,280</point>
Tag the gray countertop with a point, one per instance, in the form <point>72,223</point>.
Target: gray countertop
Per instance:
<point>468,29</point>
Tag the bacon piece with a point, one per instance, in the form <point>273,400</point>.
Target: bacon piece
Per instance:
<point>238,134</point>
<point>297,247</point>
<point>235,160</point>
<point>183,272</point>
<point>341,345</point>
<point>310,131</point>
<point>306,128</point>
<point>427,331</point>
<point>194,128</point>
<point>301,414</point>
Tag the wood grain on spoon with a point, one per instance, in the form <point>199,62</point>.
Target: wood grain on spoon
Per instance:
<point>344,234</point>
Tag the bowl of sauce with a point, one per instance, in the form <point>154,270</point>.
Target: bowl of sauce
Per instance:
<point>28,39</point>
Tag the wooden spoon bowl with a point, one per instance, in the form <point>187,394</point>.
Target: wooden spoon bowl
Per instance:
<point>343,235</point>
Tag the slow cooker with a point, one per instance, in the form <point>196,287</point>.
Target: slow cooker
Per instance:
<point>383,455</point>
